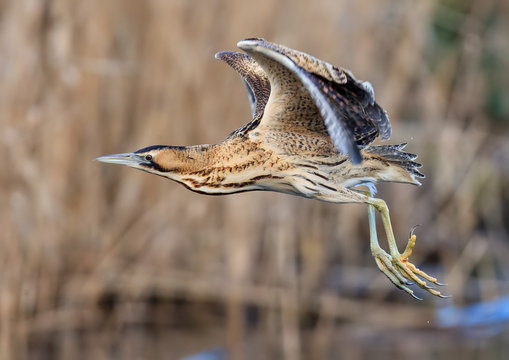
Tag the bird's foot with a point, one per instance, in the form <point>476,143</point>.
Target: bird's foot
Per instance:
<point>402,272</point>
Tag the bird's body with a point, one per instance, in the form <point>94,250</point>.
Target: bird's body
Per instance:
<point>250,161</point>
<point>310,136</point>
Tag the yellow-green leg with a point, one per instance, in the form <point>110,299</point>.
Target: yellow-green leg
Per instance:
<point>396,265</point>
<point>384,260</point>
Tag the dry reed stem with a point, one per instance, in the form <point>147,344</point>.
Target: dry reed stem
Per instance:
<point>101,262</point>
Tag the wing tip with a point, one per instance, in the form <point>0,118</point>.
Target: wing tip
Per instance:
<point>221,55</point>
<point>250,43</point>
<point>349,148</point>
<point>228,55</point>
<point>355,156</point>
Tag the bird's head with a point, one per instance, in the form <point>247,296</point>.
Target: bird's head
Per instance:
<point>158,159</point>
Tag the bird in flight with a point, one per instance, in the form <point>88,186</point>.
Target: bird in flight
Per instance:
<point>310,134</point>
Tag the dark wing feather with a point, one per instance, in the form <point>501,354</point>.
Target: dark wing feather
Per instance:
<point>356,109</point>
<point>253,76</point>
<point>346,106</point>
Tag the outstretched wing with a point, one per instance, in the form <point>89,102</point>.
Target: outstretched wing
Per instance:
<point>256,80</point>
<point>312,95</point>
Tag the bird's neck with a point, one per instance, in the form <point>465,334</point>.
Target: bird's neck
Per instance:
<point>178,161</point>
<point>223,168</point>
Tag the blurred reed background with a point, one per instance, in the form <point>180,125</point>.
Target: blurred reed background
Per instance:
<point>102,262</point>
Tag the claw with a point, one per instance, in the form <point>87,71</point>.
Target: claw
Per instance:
<point>413,229</point>
<point>444,296</point>
<point>416,297</point>
<point>407,290</point>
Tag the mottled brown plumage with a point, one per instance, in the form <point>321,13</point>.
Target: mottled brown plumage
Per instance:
<point>310,134</point>
<point>255,79</point>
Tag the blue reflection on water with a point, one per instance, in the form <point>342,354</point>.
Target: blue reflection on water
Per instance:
<point>214,354</point>
<point>493,314</point>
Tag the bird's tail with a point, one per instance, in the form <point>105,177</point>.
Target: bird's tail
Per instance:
<point>403,169</point>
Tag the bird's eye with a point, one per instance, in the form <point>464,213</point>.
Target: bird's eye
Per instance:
<point>148,157</point>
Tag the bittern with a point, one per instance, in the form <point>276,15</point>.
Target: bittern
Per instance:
<point>310,134</point>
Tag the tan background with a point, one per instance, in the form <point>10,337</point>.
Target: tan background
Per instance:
<point>99,261</point>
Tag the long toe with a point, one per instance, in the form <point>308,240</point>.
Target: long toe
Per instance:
<point>411,272</point>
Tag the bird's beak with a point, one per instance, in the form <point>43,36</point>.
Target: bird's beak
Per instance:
<point>129,159</point>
